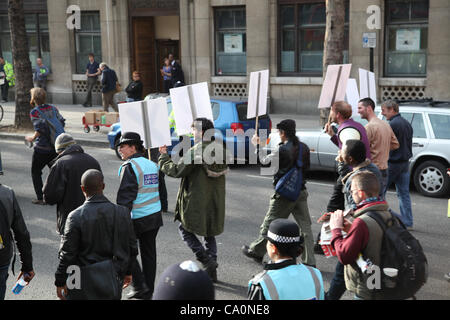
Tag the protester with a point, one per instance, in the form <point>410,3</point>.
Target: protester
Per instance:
<point>364,235</point>
<point>12,223</point>
<point>135,88</point>
<point>40,75</point>
<point>166,73</point>
<point>353,153</point>
<point>381,137</point>
<point>280,207</point>
<point>89,236</point>
<point>177,73</point>
<point>92,73</point>
<point>184,281</point>
<point>138,191</point>
<point>7,78</point>
<point>200,204</point>
<point>44,149</point>
<point>109,82</point>
<point>62,186</point>
<point>284,279</point>
<point>399,159</point>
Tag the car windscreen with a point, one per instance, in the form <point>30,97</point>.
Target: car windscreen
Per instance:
<point>242,112</point>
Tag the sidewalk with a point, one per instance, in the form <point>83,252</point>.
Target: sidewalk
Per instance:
<point>74,124</point>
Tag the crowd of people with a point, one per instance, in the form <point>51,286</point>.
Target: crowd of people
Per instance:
<point>95,230</point>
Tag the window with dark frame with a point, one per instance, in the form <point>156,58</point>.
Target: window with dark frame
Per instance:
<point>301,35</point>
<point>88,40</point>
<point>406,36</point>
<point>231,41</point>
<point>36,25</point>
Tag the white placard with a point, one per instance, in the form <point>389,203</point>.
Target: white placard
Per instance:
<point>132,119</point>
<point>335,85</point>
<point>367,85</point>
<point>257,105</point>
<point>352,95</point>
<point>408,40</point>
<point>233,43</point>
<point>158,121</point>
<point>188,103</point>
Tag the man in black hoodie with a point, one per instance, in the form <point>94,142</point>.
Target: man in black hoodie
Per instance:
<point>63,183</point>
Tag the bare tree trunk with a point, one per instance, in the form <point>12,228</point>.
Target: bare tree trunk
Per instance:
<point>22,64</point>
<point>334,42</point>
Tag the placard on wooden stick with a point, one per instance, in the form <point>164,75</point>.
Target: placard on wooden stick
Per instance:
<point>335,85</point>
<point>257,96</point>
<point>352,95</point>
<point>367,85</point>
<point>189,103</point>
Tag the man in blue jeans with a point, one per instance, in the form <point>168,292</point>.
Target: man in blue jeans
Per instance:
<point>11,219</point>
<point>399,159</point>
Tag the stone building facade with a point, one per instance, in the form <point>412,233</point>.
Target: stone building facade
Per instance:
<point>222,41</point>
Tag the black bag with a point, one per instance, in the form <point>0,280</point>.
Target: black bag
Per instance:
<point>100,281</point>
<point>401,251</point>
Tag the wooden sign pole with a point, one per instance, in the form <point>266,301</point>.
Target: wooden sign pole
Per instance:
<point>257,102</point>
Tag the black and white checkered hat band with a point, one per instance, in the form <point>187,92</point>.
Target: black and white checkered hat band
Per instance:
<point>282,239</point>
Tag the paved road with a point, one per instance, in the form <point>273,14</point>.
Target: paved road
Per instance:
<point>247,199</point>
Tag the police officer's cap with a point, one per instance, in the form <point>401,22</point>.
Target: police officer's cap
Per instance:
<point>284,232</point>
<point>131,138</point>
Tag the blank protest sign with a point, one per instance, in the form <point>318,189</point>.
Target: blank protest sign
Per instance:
<point>189,103</point>
<point>158,121</point>
<point>257,96</point>
<point>367,85</point>
<point>335,85</point>
<point>352,95</point>
<point>132,119</point>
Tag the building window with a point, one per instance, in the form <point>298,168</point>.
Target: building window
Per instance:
<point>406,38</point>
<point>38,38</point>
<point>88,40</point>
<point>301,37</point>
<point>231,41</point>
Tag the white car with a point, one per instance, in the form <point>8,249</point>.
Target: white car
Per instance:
<point>431,147</point>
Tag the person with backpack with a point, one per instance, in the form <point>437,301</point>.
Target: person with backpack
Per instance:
<point>288,155</point>
<point>12,222</point>
<point>367,248</point>
<point>48,125</point>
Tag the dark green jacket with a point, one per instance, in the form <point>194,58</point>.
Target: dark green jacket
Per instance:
<point>201,198</point>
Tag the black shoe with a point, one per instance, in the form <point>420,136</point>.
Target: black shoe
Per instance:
<point>247,252</point>
<point>85,105</point>
<point>211,269</point>
<point>141,295</point>
<point>318,249</point>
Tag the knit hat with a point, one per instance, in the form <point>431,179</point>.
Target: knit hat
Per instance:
<point>287,126</point>
<point>63,141</point>
<point>184,281</point>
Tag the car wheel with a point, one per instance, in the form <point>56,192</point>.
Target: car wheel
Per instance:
<point>430,179</point>
<point>116,148</point>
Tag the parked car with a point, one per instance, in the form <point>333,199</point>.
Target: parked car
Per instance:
<point>229,115</point>
<point>431,146</point>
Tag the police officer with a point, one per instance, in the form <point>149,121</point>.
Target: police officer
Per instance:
<point>284,279</point>
<point>138,192</point>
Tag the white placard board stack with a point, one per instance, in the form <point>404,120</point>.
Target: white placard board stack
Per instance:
<point>257,96</point>
<point>189,103</point>
<point>335,85</point>
<point>149,119</point>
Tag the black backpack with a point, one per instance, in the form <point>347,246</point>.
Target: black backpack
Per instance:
<point>401,251</point>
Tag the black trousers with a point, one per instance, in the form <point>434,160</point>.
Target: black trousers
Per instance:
<point>145,278</point>
<point>38,162</point>
<point>5,91</point>
<point>163,192</point>
<point>167,86</point>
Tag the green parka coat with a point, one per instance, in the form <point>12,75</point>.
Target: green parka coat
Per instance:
<point>201,198</point>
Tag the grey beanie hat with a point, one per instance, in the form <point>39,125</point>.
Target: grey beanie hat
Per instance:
<point>63,141</point>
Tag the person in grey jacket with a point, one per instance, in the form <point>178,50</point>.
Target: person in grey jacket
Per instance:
<point>40,74</point>
<point>11,219</point>
<point>89,232</point>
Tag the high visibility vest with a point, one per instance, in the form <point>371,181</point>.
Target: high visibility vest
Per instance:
<point>147,200</point>
<point>9,72</point>
<point>295,282</point>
